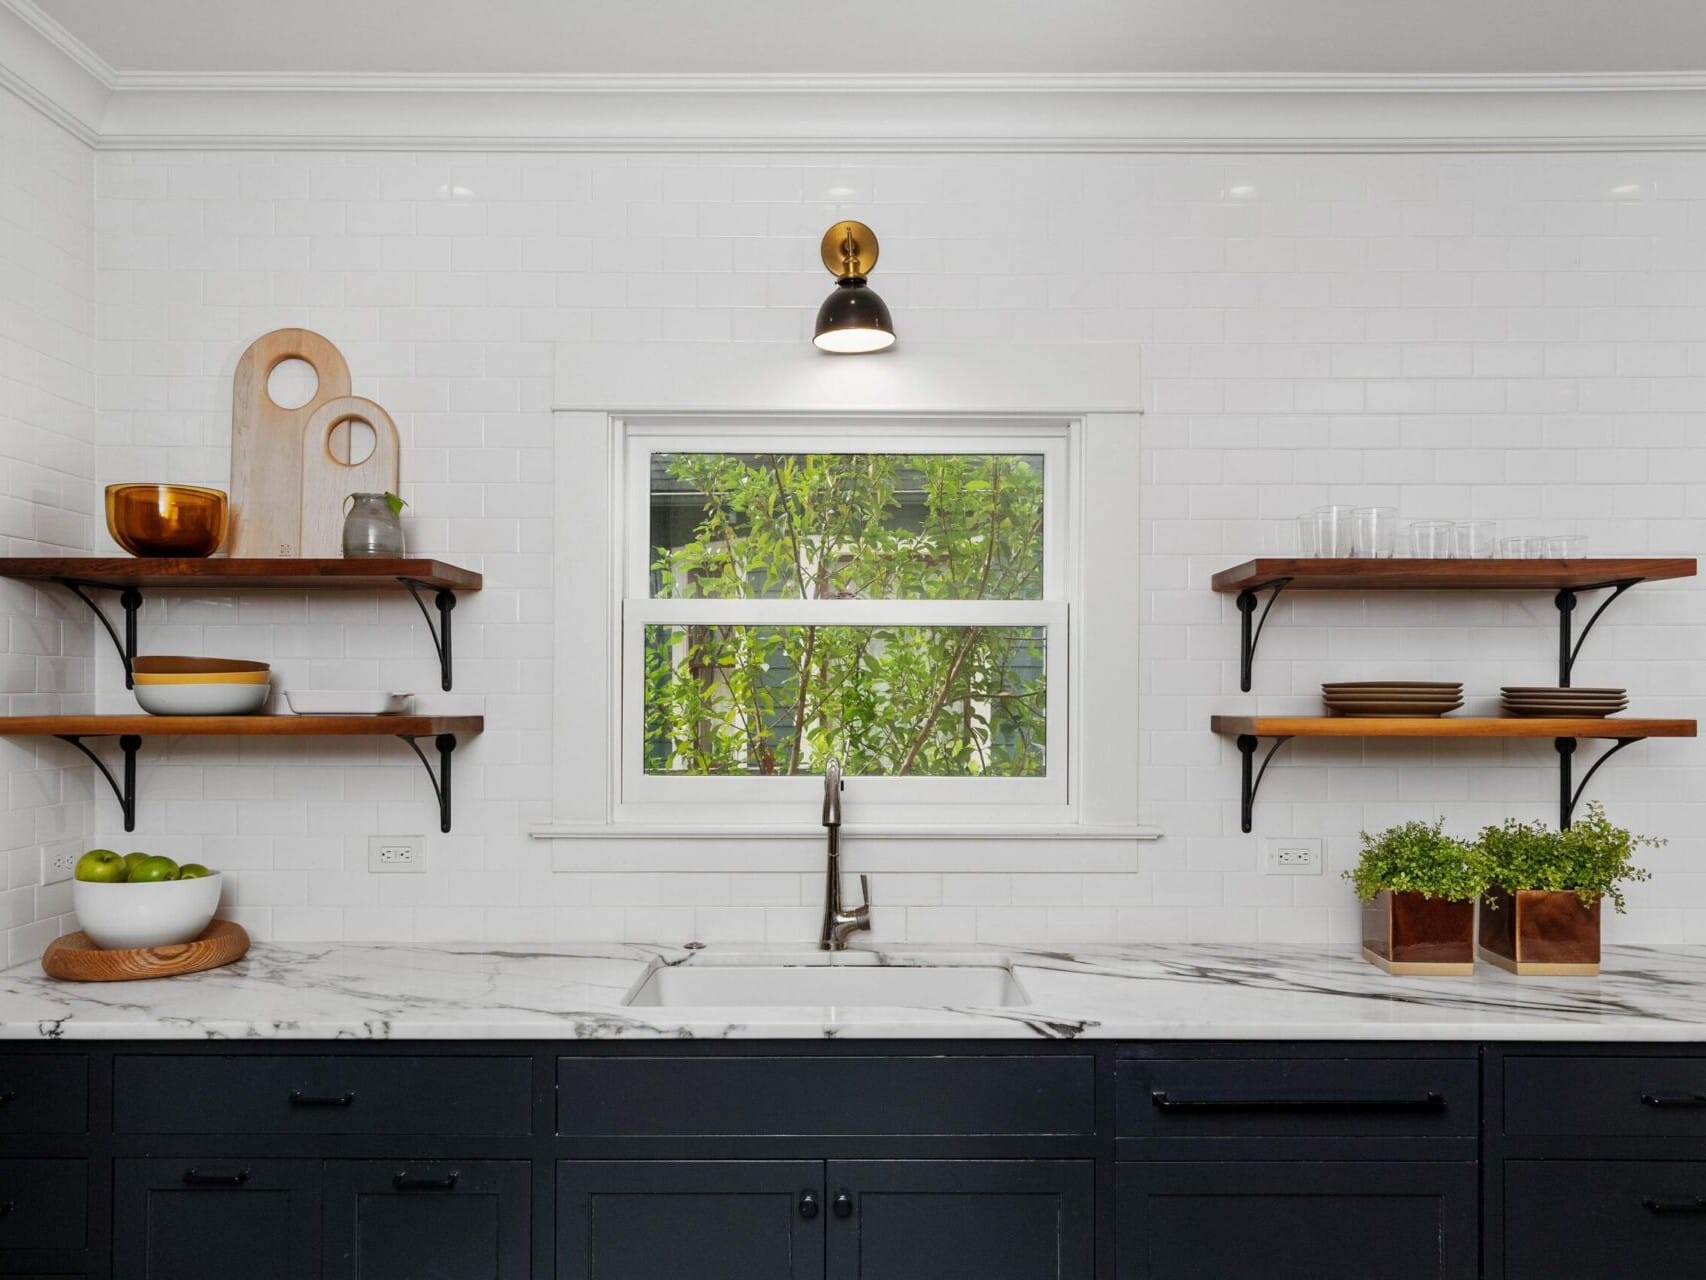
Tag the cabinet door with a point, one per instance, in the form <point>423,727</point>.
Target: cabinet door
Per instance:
<point>1604,1218</point>
<point>961,1219</point>
<point>1290,1220</point>
<point>199,1219</point>
<point>410,1220</point>
<point>707,1219</point>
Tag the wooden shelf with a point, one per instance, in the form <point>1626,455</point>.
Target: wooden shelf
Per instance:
<point>146,726</point>
<point>131,730</point>
<point>129,575</point>
<point>1564,734</point>
<point>1449,727</point>
<point>117,572</point>
<point>1447,575</point>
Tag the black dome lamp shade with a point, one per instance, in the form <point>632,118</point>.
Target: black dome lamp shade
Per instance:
<point>852,320</point>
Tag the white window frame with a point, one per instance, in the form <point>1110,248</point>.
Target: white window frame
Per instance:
<point>652,798</point>
<point>1085,396</point>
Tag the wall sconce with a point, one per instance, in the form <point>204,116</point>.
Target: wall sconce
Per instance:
<point>853,319</point>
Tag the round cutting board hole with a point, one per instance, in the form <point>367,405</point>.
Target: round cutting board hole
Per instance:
<point>292,383</point>
<point>351,441</point>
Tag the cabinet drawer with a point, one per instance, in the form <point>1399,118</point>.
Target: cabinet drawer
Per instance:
<point>43,1094</point>
<point>760,1097</point>
<point>43,1204</point>
<point>169,1093</point>
<point>1603,1218</point>
<point>1298,1097</point>
<point>1629,1097</point>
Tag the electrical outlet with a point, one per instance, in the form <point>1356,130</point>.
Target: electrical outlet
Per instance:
<point>1293,856</point>
<point>395,855</point>
<point>58,863</point>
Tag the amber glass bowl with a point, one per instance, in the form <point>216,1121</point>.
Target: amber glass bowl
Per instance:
<point>166,519</point>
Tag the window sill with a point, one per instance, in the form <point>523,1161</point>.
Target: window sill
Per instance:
<point>800,848</point>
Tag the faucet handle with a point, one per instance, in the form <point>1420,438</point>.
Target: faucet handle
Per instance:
<point>865,893</point>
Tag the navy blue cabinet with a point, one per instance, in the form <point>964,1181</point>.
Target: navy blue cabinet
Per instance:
<point>409,1219</point>
<point>708,1219</point>
<point>1285,1220</point>
<point>208,1216</point>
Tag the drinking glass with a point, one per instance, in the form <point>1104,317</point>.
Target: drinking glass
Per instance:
<point>1431,539</point>
<point>1528,548</point>
<point>1474,539</point>
<point>1569,546</point>
<point>1334,536</point>
<point>1306,535</point>
<point>1376,531</point>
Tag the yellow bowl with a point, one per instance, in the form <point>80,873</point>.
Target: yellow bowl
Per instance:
<point>167,519</point>
<point>200,677</point>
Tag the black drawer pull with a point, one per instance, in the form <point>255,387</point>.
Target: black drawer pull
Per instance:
<point>300,1099</point>
<point>842,1204</point>
<point>6,1207</point>
<point>196,1178</point>
<point>407,1182</point>
<point>1696,1205</point>
<point>7,1095</point>
<point>1241,1102</point>
<point>808,1205</point>
<point>1674,1099</point>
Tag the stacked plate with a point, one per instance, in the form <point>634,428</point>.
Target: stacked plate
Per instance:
<point>1549,700</point>
<point>1392,697</point>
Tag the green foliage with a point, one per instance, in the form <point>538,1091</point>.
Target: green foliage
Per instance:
<point>889,700</point>
<point>1417,858</point>
<point>1591,858</point>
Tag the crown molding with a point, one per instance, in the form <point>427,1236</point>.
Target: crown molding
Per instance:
<point>112,109</point>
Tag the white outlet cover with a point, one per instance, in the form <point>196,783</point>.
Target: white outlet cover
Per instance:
<point>396,855</point>
<point>58,864</point>
<point>1292,856</point>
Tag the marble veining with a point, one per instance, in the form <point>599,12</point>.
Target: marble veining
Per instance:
<point>301,991</point>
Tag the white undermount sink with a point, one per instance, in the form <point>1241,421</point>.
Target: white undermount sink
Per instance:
<point>844,980</point>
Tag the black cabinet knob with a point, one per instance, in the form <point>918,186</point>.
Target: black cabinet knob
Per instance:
<point>7,1095</point>
<point>842,1204</point>
<point>808,1205</point>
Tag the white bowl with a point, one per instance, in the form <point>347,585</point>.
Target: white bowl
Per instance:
<point>201,699</point>
<point>346,702</point>
<point>118,916</point>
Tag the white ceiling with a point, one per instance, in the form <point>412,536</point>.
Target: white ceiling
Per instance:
<point>896,37</point>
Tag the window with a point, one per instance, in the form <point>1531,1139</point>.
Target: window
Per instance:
<point>794,592</point>
<point>924,563</point>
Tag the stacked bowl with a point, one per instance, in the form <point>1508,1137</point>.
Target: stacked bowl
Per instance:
<point>1392,697</point>
<point>200,686</point>
<point>1551,700</point>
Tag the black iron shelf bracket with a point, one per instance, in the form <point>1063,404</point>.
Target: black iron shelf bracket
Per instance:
<point>446,743</point>
<point>131,600</point>
<point>1250,632</point>
<point>1568,797</point>
<point>1566,602</point>
<point>130,744</point>
<point>445,601</point>
<point>1251,775</point>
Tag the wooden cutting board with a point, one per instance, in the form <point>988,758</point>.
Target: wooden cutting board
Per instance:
<point>73,958</point>
<point>266,442</point>
<point>327,475</point>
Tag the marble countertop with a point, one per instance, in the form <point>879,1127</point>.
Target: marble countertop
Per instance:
<point>305,991</point>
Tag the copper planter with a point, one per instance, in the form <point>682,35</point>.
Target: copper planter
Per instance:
<point>1539,931</point>
<point>1413,934</point>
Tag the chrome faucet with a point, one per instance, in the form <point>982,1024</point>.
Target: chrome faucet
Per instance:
<point>838,922</point>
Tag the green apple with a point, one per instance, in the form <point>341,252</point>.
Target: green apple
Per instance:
<point>135,859</point>
<point>154,870</point>
<point>101,866</point>
<point>193,871</point>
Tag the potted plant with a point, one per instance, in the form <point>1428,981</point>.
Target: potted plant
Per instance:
<point>1418,886</point>
<point>1541,914</point>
